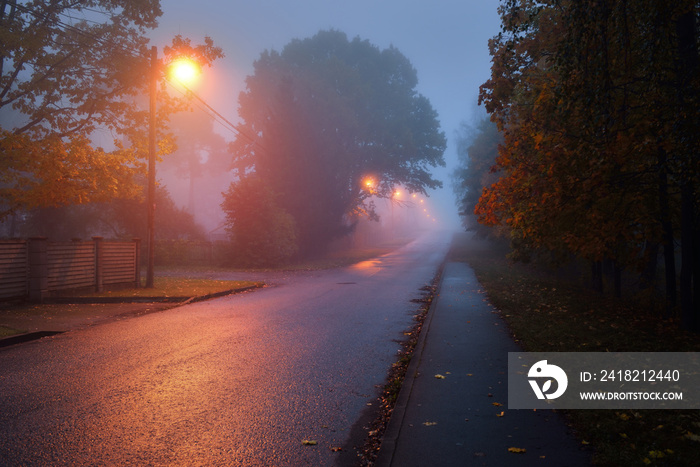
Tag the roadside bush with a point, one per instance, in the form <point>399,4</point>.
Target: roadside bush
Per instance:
<point>262,233</point>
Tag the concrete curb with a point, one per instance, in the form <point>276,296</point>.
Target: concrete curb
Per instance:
<point>107,300</point>
<point>26,337</point>
<point>388,446</point>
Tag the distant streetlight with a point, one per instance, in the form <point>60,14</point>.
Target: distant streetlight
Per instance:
<point>184,70</point>
<point>396,195</point>
<point>369,184</point>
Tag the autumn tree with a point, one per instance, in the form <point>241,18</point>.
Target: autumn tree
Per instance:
<point>324,114</point>
<point>69,73</point>
<point>594,102</point>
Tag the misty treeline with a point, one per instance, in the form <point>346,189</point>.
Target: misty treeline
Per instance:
<point>74,116</point>
<point>596,102</point>
<point>319,119</point>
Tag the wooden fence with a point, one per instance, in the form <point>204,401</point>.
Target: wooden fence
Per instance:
<point>36,268</point>
<point>14,269</point>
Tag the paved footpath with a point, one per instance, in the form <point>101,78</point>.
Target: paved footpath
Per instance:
<point>459,420</point>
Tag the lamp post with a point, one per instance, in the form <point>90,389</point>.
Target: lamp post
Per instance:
<point>184,70</point>
<point>151,200</point>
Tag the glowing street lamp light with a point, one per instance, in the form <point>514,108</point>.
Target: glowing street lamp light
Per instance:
<point>369,184</point>
<point>184,70</point>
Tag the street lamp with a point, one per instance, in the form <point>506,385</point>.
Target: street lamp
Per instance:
<point>151,202</point>
<point>183,70</point>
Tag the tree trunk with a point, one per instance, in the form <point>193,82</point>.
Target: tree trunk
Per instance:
<point>688,318</point>
<point>647,278</point>
<point>597,276</point>
<point>686,31</point>
<point>667,233</point>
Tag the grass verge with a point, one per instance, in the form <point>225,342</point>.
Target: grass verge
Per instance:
<point>548,314</point>
<point>333,259</point>
<point>6,331</point>
<point>168,286</point>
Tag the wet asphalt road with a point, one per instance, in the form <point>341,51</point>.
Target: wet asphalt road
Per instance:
<point>240,380</point>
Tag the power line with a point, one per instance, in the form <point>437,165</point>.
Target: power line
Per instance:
<point>69,27</point>
<point>231,126</point>
<point>108,42</point>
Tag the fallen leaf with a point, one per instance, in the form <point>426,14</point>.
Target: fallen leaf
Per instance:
<point>517,450</point>
<point>429,423</point>
<point>497,404</point>
<point>439,377</point>
<point>500,414</point>
<point>336,448</point>
<point>309,442</point>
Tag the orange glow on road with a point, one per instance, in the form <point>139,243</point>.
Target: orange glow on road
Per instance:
<point>368,268</point>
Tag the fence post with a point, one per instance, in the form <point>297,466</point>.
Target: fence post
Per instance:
<point>98,264</point>
<point>137,263</point>
<point>38,269</point>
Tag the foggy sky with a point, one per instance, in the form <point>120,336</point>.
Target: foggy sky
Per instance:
<point>445,40</point>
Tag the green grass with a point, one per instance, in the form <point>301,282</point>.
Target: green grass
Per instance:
<point>168,286</point>
<point>548,314</point>
<point>6,331</point>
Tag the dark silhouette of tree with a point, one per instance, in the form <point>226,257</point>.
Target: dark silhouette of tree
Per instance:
<point>477,149</point>
<point>323,115</point>
<point>118,219</point>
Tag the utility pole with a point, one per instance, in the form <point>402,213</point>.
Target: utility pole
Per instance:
<point>151,200</point>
